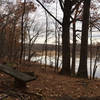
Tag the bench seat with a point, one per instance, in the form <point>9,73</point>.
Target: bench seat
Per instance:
<point>20,77</point>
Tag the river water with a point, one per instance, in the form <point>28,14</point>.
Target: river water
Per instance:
<point>51,61</point>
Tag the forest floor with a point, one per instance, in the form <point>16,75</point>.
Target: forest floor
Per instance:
<point>48,86</point>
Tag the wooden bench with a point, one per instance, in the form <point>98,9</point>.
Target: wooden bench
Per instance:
<point>20,78</point>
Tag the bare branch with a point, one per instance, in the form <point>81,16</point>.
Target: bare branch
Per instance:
<point>61,4</point>
<point>49,12</point>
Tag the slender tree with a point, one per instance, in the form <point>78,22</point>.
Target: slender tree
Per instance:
<point>56,67</point>
<point>74,40</point>
<point>46,40</point>
<point>22,32</point>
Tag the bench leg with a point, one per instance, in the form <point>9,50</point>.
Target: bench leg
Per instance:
<point>19,84</point>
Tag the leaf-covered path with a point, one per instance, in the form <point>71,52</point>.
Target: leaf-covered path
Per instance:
<point>51,85</point>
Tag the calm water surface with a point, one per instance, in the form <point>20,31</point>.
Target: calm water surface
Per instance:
<point>51,61</point>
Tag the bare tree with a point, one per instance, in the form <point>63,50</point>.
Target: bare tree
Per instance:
<point>46,40</point>
<point>22,32</point>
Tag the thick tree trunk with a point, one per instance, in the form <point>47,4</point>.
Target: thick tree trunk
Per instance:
<point>82,71</point>
<point>66,39</point>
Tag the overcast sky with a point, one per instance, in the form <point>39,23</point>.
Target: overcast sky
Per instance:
<point>41,17</point>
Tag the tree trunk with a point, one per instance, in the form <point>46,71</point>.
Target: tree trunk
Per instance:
<point>82,71</point>
<point>74,43</point>
<point>29,50</point>
<point>91,52</point>
<point>2,43</point>
<point>73,50</point>
<point>56,46</point>
<point>22,32</point>
<point>66,39</point>
<point>46,40</point>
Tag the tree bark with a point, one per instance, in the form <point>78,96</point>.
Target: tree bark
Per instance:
<point>66,39</point>
<point>82,71</point>
<point>74,42</point>
<point>22,33</point>
<point>73,50</point>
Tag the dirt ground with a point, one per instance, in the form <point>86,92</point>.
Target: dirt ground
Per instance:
<point>50,85</point>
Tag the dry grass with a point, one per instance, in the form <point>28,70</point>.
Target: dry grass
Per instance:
<point>49,53</point>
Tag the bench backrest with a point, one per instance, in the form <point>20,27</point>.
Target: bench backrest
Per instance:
<point>16,74</point>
